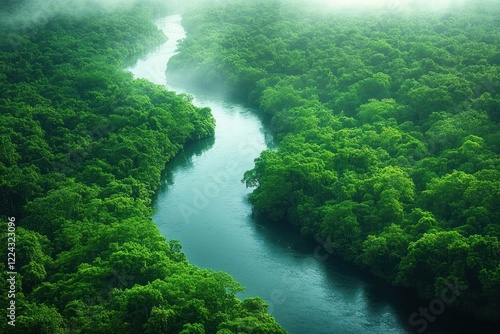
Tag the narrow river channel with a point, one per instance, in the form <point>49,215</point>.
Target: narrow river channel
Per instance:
<point>204,205</point>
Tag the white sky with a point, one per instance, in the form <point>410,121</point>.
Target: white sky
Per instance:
<point>396,5</point>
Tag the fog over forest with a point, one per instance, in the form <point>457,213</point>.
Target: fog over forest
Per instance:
<point>388,4</point>
<point>35,12</point>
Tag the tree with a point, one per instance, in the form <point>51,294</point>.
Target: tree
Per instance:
<point>378,110</point>
<point>430,257</point>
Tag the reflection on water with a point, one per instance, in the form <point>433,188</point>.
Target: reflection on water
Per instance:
<point>184,159</point>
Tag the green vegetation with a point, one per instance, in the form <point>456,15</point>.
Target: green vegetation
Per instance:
<point>82,148</point>
<point>389,132</point>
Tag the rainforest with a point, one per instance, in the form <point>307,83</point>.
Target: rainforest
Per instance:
<point>386,122</point>
<point>388,132</point>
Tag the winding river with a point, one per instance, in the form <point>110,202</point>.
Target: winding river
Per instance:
<point>204,205</point>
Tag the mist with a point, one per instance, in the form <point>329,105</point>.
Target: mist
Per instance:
<point>23,13</point>
<point>387,4</point>
<point>378,7</point>
<point>29,13</point>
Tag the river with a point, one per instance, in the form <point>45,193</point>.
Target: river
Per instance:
<point>203,204</point>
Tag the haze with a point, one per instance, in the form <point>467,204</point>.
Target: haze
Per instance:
<point>404,6</point>
<point>35,12</point>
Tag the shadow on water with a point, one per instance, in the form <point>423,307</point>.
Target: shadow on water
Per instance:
<point>346,280</point>
<point>183,160</point>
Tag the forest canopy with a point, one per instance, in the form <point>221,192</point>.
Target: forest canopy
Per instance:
<point>82,149</point>
<point>389,129</point>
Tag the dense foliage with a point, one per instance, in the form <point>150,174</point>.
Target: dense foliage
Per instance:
<point>82,148</point>
<point>389,132</point>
